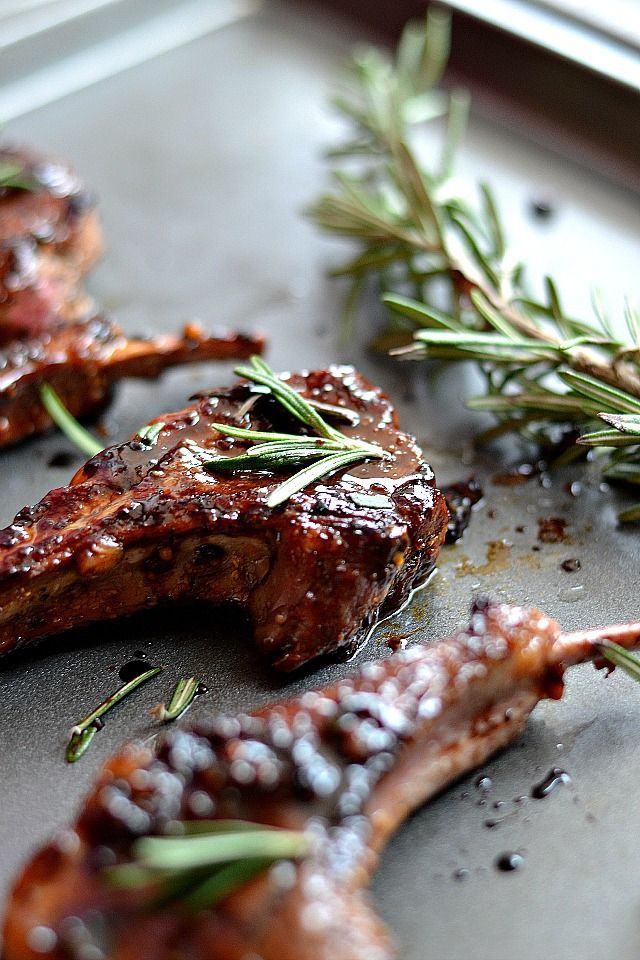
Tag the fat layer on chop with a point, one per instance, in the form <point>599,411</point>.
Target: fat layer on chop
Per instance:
<point>145,523</point>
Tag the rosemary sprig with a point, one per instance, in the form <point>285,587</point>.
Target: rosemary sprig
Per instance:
<point>185,692</point>
<point>15,176</point>
<point>151,431</point>
<point>208,863</point>
<point>620,657</point>
<point>83,439</point>
<point>328,451</point>
<point>83,732</point>
<point>443,264</point>
<point>67,423</point>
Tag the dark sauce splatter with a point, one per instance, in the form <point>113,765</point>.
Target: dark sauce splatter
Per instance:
<point>62,459</point>
<point>554,779</point>
<point>507,862</point>
<point>132,669</point>
<point>494,822</point>
<point>202,689</point>
<point>542,208</point>
<point>570,565</point>
<point>552,529</point>
<point>461,497</point>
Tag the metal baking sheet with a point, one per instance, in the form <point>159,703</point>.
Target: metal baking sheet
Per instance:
<point>203,159</point>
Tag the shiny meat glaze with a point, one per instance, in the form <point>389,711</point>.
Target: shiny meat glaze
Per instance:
<point>49,238</point>
<point>83,360</point>
<point>347,763</point>
<point>144,523</point>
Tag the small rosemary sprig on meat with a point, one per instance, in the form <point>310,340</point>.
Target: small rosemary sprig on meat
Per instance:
<point>83,732</point>
<point>211,860</point>
<point>326,451</point>
<point>445,269</point>
<point>14,176</point>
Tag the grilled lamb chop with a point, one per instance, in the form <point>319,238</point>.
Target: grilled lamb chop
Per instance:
<point>49,238</point>
<point>346,763</point>
<point>144,523</point>
<point>83,360</point>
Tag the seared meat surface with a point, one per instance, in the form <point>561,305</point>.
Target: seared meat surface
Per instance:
<point>83,360</point>
<point>49,238</point>
<point>346,763</point>
<point>144,523</point>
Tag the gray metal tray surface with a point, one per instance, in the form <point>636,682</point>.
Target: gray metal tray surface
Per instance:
<point>203,158</point>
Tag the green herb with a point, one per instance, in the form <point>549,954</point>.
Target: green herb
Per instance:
<point>67,423</point>
<point>444,267</point>
<point>81,438</point>
<point>84,731</point>
<point>329,450</point>
<point>214,858</point>
<point>151,431</point>
<point>15,176</point>
<point>620,658</point>
<point>185,692</point>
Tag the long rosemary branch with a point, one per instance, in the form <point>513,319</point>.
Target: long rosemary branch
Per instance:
<point>447,273</point>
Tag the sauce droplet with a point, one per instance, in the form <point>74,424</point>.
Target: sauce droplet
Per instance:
<point>509,861</point>
<point>61,459</point>
<point>555,778</point>
<point>552,529</point>
<point>571,565</point>
<point>132,669</point>
<point>483,783</point>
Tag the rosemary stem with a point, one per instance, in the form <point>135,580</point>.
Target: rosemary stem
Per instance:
<point>115,698</point>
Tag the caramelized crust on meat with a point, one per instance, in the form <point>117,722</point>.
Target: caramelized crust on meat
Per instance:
<point>49,238</point>
<point>346,763</point>
<point>82,361</point>
<point>144,523</point>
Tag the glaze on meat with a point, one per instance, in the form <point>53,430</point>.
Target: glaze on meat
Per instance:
<point>347,763</point>
<point>49,238</point>
<point>145,523</point>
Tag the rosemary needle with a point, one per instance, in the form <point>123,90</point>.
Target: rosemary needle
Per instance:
<point>16,177</point>
<point>620,657</point>
<point>214,858</point>
<point>83,732</point>
<point>67,423</point>
<point>185,692</point>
